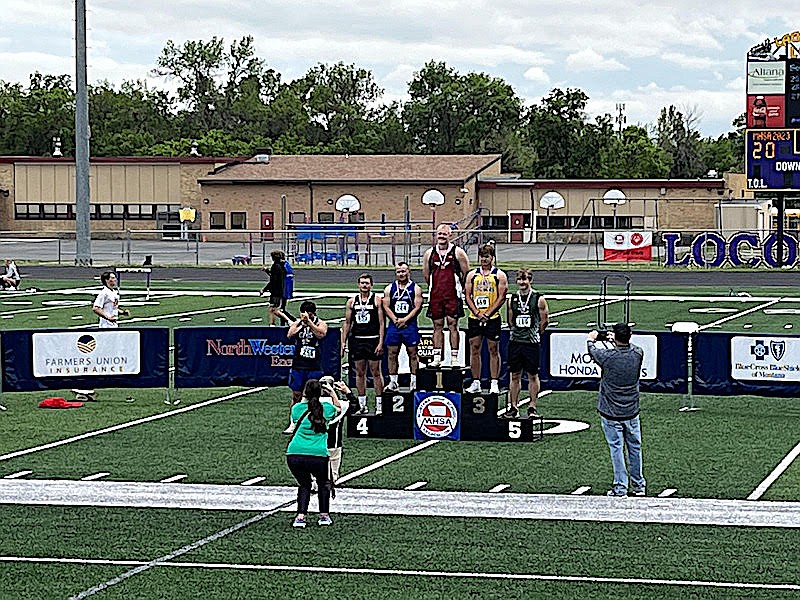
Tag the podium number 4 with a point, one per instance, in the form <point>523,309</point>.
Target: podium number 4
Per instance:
<point>362,426</point>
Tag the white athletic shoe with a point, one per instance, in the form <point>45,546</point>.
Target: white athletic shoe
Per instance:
<point>392,387</point>
<point>494,388</point>
<point>475,387</point>
<point>435,363</point>
<point>456,365</point>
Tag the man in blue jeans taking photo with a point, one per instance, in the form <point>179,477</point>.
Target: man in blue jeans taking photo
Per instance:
<point>620,363</point>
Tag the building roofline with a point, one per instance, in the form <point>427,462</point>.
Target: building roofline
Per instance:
<point>544,184</point>
<point>68,160</point>
<point>215,181</point>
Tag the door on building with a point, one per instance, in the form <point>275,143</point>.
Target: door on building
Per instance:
<point>518,222</point>
<point>267,226</point>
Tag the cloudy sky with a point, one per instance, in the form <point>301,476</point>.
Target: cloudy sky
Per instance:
<point>644,54</point>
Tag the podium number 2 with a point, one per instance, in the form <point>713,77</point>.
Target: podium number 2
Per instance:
<point>478,405</point>
<point>397,404</point>
<point>514,430</point>
<point>362,426</point>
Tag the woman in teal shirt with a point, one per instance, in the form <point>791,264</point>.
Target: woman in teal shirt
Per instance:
<point>307,454</point>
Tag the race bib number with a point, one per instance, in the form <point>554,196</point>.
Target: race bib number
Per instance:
<point>308,352</point>
<point>401,307</point>
<point>362,318</point>
<point>523,321</point>
<point>482,302</point>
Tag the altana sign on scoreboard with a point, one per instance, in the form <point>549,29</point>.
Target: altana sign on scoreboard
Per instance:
<point>772,138</point>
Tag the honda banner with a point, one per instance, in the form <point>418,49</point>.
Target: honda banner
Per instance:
<point>627,245</point>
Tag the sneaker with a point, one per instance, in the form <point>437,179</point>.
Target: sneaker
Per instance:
<point>289,430</point>
<point>616,494</point>
<point>299,522</point>
<point>511,413</point>
<point>361,410</point>
<point>494,388</point>
<point>456,365</point>
<point>435,363</point>
<point>392,387</point>
<point>474,388</point>
<point>325,520</point>
<point>533,413</point>
<point>638,493</point>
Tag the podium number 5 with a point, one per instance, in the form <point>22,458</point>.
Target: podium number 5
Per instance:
<point>514,430</point>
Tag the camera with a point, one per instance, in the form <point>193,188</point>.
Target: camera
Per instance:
<point>603,335</point>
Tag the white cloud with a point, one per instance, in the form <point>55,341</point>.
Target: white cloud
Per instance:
<point>536,74</point>
<point>589,60</point>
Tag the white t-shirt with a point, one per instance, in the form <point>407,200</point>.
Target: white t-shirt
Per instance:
<point>108,301</point>
<point>11,271</point>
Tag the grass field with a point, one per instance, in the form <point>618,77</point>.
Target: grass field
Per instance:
<point>408,547</point>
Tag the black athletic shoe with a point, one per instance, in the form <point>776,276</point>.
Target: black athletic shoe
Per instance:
<point>511,413</point>
<point>533,414</point>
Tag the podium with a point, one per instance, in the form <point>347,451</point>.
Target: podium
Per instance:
<point>441,409</point>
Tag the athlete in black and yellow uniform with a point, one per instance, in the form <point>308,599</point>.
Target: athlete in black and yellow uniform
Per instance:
<point>485,290</point>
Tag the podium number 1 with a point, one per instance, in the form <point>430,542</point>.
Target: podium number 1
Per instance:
<point>362,426</point>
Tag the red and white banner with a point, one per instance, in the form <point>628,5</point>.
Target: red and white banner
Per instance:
<point>628,245</point>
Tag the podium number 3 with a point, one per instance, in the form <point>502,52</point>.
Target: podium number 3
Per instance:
<point>362,426</point>
<point>514,430</point>
<point>478,405</point>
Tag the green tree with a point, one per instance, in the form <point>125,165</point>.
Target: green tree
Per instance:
<point>452,113</point>
<point>680,141</point>
<point>633,155</point>
<point>31,117</point>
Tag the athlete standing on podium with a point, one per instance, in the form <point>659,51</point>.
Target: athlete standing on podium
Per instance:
<point>527,317</point>
<point>402,302</point>
<point>362,331</point>
<point>444,267</point>
<point>485,293</point>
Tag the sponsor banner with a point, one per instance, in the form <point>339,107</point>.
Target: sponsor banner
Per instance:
<point>758,358</point>
<point>83,354</point>
<point>437,416</point>
<point>570,358</point>
<point>627,245</point>
<point>793,92</point>
<point>217,356</point>
<point>98,358</point>
<point>766,111</point>
<point>766,77</point>
<point>727,364</point>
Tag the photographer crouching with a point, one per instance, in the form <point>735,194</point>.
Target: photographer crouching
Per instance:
<point>618,404</point>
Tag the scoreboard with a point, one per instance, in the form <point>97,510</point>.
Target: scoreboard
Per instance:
<point>772,159</point>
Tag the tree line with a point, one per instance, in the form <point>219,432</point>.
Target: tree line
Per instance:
<point>229,102</point>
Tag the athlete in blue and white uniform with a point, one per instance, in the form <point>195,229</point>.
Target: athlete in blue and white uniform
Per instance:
<point>402,302</point>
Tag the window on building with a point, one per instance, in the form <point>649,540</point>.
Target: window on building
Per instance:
<point>48,211</point>
<point>325,217</point>
<point>551,222</point>
<point>27,211</point>
<point>580,222</point>
<point>117,211</point>
<point>356,217</point>
<point>495,222</point>
<point>297,217</point>
<point>238,220</point>
<point>216,220</point>
<point>105,211</point>
<point>64,212</point>
<point>147,211</point>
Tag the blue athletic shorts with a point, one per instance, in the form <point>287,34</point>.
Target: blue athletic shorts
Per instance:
<point>408,335</point>
<point>298,378</point>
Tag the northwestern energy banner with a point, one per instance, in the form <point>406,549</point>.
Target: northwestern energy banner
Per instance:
<point>728,364</point>
<point>97,358</point>
<point>222,356</point>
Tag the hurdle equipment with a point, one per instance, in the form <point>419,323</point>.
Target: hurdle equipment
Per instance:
<point>146,270</point>
<point>602,302</point>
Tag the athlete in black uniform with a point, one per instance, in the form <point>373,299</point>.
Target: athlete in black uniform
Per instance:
<point>362,332</point>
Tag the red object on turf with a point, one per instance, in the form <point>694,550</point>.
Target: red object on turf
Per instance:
<point>58,403</point>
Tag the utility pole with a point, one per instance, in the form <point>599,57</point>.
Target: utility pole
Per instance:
<point>620,119</point>
<point>83,236</point>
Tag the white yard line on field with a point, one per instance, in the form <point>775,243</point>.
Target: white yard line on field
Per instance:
<point>694,583</point>
<point>739,314</point>
<point>121,426</point>
<point>776,472</point>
